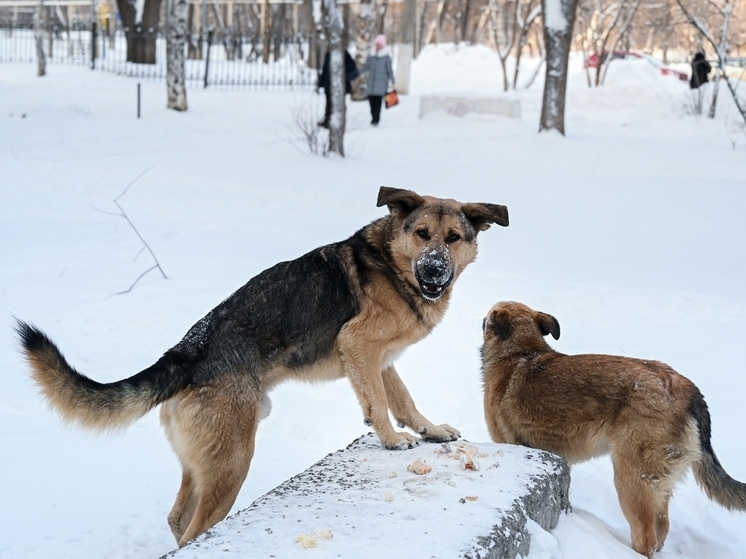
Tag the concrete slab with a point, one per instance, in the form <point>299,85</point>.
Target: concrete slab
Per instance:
<point>461,105</point>
<point>365,501</point>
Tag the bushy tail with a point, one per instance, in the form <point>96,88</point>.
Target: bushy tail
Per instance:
<point>710,475</point>
<point>81,400</point>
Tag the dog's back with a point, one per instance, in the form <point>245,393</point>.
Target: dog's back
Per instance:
<point>653,421</point>
<point>579,406</point>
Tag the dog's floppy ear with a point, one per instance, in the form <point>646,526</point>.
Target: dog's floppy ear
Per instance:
<point>547,325</point>
<point>399,200</point>
<point>501,324</point>
<point>481,216</point>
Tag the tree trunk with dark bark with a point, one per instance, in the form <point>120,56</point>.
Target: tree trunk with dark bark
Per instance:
<point>141,29</point>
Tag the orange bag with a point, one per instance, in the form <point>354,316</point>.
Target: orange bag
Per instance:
<point>391,99</point>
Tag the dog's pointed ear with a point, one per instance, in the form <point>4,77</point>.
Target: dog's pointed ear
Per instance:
<point>501,324</point>
<point>398,200</point>
<point>481,216</point>
<point>547,325</point>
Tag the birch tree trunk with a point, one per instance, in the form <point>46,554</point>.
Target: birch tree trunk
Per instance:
<point>366,28</point>
<point>334,24</point>
<point>175,64</point>
<point>41,57</point>
<point>715,90</point>
<point>559,20</point>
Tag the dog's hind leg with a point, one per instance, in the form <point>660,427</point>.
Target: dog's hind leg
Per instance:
<point>641,502</point>
<point>183,510</point>
<point>212,428</point>
<point>403,407</point>
<point>186,500</point>
<point>662,522</point>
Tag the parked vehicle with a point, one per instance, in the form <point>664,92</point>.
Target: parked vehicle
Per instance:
<point>592,62</point>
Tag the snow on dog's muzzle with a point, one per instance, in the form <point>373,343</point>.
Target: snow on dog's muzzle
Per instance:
<point>434,272</point>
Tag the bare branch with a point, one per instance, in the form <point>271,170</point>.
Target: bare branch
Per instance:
<point>131,183</point>
<point>138,279</point>
<point>696,23</point>
<point>123,215</point>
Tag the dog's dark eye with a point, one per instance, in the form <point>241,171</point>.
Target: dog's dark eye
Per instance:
<point>453,238</point>
<point>423,234</point>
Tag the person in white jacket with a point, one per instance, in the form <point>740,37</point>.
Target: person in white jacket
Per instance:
<point>380,75</point>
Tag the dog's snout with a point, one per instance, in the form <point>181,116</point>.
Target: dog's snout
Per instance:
<point>434,271</point>
<point>434,266</point>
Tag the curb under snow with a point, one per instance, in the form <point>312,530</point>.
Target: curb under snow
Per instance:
<point>363,502</point>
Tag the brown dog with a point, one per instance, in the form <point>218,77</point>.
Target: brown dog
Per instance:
<point>653,421</point>
<point>343,310</point>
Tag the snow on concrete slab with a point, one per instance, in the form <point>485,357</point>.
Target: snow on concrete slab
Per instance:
<point>469,500</point>
<point>460,105</point>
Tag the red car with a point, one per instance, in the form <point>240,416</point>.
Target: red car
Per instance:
<point>592,62</point>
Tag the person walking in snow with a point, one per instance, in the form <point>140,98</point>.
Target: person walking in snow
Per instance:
<point>380,75</point>
<point>325,82</point>
<point>700,69</point>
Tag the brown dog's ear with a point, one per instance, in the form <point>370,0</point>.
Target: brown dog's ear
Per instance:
<point>501,325</point>
<point>547,325</point>
<point>399,200</point>
<point>482,215</point>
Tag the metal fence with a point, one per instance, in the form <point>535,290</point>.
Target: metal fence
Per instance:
<point>221,60</point>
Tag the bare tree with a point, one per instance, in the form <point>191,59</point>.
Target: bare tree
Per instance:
<point>622,25</point>
<point>604,24</point>
<point>41,57</point>
<point>504,36</point>
<point>175,64</point>
<point>333,25</point>
<point>660,21</point>
<point>524,23</point>
<point>721,45</point>
<point>559,19</point>
<point>140,21</point>
<point>433,34</point>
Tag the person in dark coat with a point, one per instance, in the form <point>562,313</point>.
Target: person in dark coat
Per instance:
<point>351,73</point>
<point>700,69</point>
<point>380,75</point>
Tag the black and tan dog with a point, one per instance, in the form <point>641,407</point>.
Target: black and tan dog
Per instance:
<point>343,310</point>
<point>653,421</point>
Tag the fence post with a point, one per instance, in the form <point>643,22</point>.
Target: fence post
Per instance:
<point>93,45</point>
<point>207,57</point>
<point>93,34</point>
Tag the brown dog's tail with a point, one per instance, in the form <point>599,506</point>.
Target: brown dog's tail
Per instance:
<point>710,475</point>
<point>91,404</point>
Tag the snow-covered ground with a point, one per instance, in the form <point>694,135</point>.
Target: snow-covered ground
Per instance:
<point>630,231</point>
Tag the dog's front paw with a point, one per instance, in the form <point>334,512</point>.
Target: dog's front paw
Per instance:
<point>439,433</point>
<point>400,441</point>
